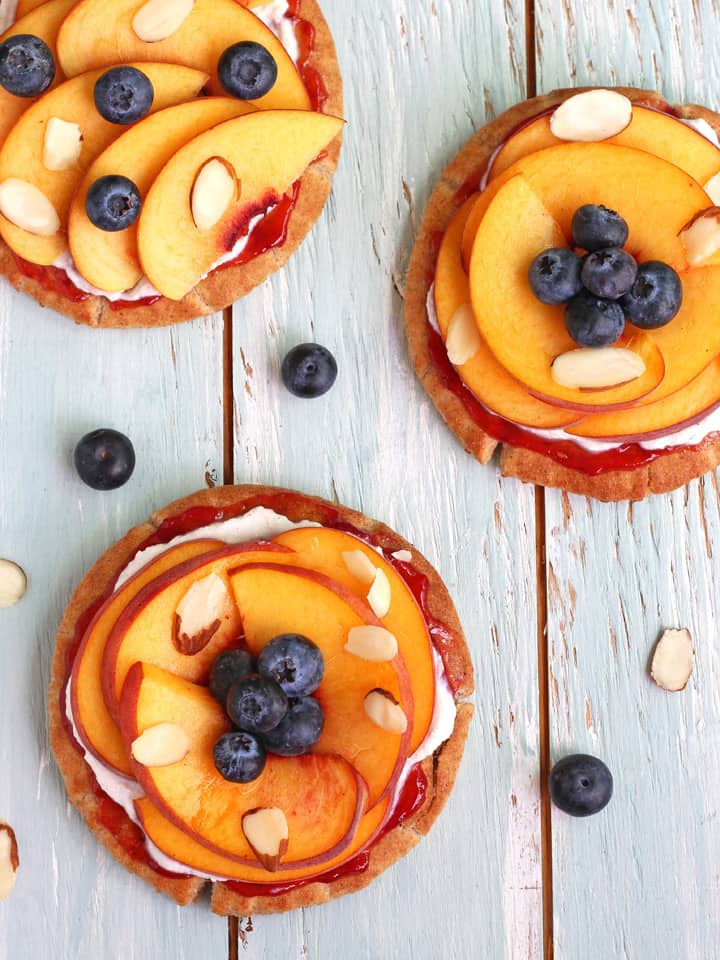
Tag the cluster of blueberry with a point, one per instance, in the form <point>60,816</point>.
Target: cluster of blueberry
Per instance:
<point>269,702</point>
<point>606,286</point>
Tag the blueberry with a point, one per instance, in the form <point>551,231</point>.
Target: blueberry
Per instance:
<point>293,662</point>
<point>309,370</point>
<point>112,203</point>
<point>580,785</point>
<point>594,228</point>
<point>555,275</point>
<point>27,66</point>
<point>609,273</point>
<point>299,730</point>
<point>247,70</point>
<point>227,668</point>
<point>655,297</point>
<point>123,95</point>
<point>256,704</point>
<point>592,321</point>
<point>105,459</point>
<point>239,756</point>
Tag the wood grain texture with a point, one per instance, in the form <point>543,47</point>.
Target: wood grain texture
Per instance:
<point>637,880</point>
<point>376,443</point>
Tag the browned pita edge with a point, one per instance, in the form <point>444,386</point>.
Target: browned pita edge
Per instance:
<point>224,286</point>
<point>440,768</point>
<point>663,474</point>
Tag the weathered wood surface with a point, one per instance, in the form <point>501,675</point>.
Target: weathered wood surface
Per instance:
<point>641,879</point>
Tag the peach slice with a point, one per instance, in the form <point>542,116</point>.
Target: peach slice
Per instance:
<point>146,628</point>
<point>21,154</point>
<point>268,150</point>
<point>274,599</point>
<point>523,334</point>
<point>97,729</point>
<point>321,796</point>
<point>180,845</point>
<point>321,549</point>
<point>99,33</point>
<point>657,133</point>
<point>681,409</point>
<point>45,23</point>
<point>482,374</point>
<point>109,260</point>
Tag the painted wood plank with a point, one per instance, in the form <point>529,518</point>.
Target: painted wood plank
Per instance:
<point>162,388</point>
<point>430,74</point>
<point>637,880</point>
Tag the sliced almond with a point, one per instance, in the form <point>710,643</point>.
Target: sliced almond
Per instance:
<point>673,660</point>
<point>404,556</point>
<point>379,594</point>
<point>200,614</point>
<point>266,830</point>
<point>712,188</point>
<point>9,860</point>
<point>359,565</point>
<point>597,368</point>
<point>62,144</point>
<point>26,206</point>
<point>13,583</point>
<point>591,116</point>
<point>384,711</point>
<point>463,337</point>
<point>159,19</point>
<point>161,745</point>
<point>214,190</point>
<point>701,236</point>
<point>371,643</point>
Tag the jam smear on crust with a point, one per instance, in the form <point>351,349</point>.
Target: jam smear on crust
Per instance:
<point>52,279</point>
<point>414,789</point>
<point>626,456</point>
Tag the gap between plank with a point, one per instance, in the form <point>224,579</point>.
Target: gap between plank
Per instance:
<point>228,399</point>
<point>233,938</point>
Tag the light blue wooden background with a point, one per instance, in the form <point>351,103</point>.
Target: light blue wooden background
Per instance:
<point>640,880</point>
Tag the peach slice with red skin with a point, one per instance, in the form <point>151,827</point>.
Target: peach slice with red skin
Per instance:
<point>275,599</point>
<point>145,629</point>
<point>99,33</point>
<point>482,374</point>
<point>321,549</point>
<point>523,334</point>
<point>45,23</point>
<point>322,796</point>
<point>21,154</point>
<point>95,725</point>
<point>268,150</point>
<point>109,260</point>
<point>651,130</point>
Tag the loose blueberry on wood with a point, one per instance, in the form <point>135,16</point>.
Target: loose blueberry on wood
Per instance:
<point>256,704</point>
<point>123,95</point>
<point>594,322</point>
<point>228,667</point>
<point>309,370</point>
<point>299,730</point>
<point>113,203</point>
<point>555,275</point>
<point>239,757</point>
<point>609,273</point>
<point>104,459</point>
<point>655,297</point>
<point>580,785</point>
<point>247,70</point>
<point>295,663</point>
<point>595,227</point>
<point>27,66</point>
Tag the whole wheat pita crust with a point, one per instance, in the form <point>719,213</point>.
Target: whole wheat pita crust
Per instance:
<point>440,768</point>
<point>223,287</point>
<point>663,474</point>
